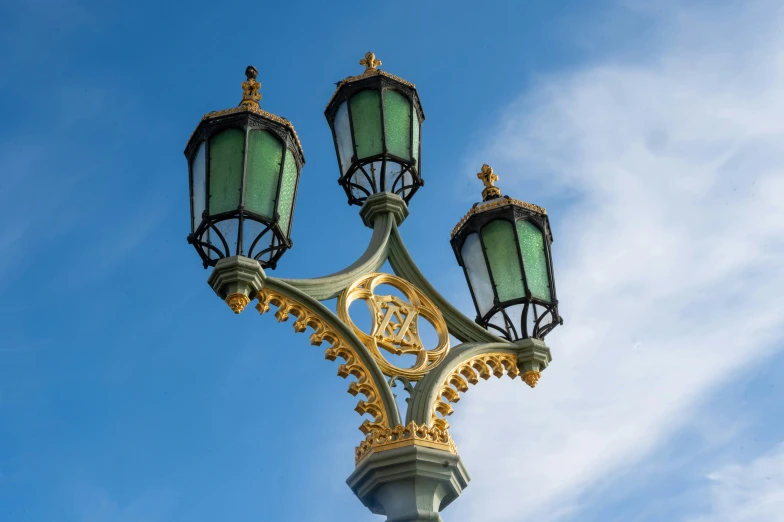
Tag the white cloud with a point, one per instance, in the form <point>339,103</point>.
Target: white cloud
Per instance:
<point>753,492</point>
<point>668,255</point>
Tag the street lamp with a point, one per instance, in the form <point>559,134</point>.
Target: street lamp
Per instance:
<point>376,119</point>
<point>503,246</point>
<point>244,168</point>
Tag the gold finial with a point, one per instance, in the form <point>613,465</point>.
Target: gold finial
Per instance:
<point>237,302</point>
<point>250,88</point>
<point>489,178</point>
<point>370,62</point>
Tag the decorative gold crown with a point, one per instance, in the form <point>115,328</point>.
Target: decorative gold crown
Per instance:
<point>400,436</point>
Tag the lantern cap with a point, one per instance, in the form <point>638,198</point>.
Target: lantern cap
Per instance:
<point>372,65</point>
<point>493,199</point>
<point>250,103</point>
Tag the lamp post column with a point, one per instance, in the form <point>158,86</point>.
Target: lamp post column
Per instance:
<point>410,483</point>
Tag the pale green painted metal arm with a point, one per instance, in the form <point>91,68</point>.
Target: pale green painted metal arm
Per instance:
<point>425,393</point>
<point>327,287</point>
<point>332,321</point>
<point>459,325</point>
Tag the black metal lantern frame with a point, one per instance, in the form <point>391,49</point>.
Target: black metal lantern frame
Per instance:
<point>538,317</point>
<point>372,181</point>
<point>203,237</point>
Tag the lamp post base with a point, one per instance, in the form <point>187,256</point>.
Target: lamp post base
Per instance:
<point>409,484</point>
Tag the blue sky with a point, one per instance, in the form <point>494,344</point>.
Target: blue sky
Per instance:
<point>651,132</point>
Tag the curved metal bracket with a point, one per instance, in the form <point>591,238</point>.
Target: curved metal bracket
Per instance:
<point>327,287</point>
<point>379,400</point>
<point>464,365</point>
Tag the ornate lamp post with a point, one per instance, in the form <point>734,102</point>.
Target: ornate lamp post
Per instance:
<point>244,168</point>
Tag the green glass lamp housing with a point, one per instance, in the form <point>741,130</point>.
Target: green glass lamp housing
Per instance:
<point>244,166</point>
<point>503,246</point>
<point>376,120</point>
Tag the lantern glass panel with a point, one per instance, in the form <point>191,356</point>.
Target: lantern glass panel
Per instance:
<point>366,118</point>
<point>503,258</point>
<point>534,259</point>
<point>343,135</point>
<point>478,276</point>
<point>287,187</point>
<point>229,228</point>
<point>250,231</point>
<point>226,154</point>
<point>265,153</point>
<point>415,143</point>
<point>397,124</point>
<point>199,186</point>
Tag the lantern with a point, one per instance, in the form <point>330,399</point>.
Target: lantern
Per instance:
<point>503,246</point>
<point>244,166</point>
<point>376,121</point>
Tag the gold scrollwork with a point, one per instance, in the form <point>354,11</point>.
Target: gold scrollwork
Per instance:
<point>409,435</point>
<point>395,324</point>
<point>353,365</point>
<point>467,373</point>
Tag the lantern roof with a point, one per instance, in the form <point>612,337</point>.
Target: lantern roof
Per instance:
<point>250,103</point>
<point>372,65</point>
<point>492,199</point>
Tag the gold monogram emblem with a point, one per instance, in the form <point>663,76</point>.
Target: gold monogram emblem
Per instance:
<point>395,324</point>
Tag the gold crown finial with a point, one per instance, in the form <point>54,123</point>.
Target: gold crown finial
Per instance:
<point>370,62</point>
<point>489,178</point>
<point>250,88</point>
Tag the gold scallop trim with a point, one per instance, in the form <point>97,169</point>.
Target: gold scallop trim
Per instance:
<point>496,203</point>
<point>339,348</point>
<point>400,436</point>
<point>262,113</point>
<point>467,373</point>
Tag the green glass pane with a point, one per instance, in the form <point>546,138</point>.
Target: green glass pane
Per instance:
<point>416,140</point>
<point>226,152</point>
<point>534,259</point>
<point>199,187</point>
<point>288,186</point>
<point>499,239</point>
<point>366,118</point>
<point>265,152</point>
<point>397,123</point>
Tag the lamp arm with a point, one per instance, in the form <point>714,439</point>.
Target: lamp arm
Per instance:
<point>327,287</point>
<point>464,365</point>
<point>459,325</point>
<point>379,401</point>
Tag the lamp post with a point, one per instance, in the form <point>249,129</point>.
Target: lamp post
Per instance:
<point>244,166</point>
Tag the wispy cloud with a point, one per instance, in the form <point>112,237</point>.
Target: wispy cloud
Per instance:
<point>750,492</point>
<point>669,227</point>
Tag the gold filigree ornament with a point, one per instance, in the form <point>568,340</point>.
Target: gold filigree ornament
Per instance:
<point>364,384</point>
<point>395,324</point>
